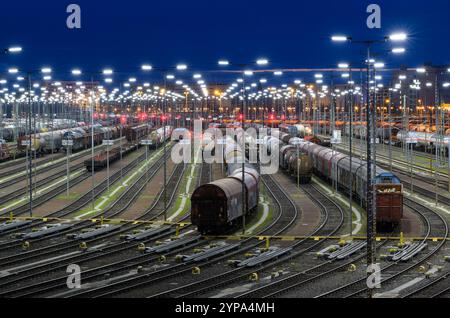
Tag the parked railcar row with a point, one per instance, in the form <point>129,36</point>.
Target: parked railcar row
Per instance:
<point>334,167</point>
<point>10,130</point>
<point>134,136</point>
<point>218,206</point>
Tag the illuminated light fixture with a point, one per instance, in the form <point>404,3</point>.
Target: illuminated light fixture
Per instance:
<point>201,82</point>
<point>223,62</point>
<point>239,80</point>
<point>13,71</point>
<point>429,84</point>
<point>318,76</point>
<point>179,82</point>
<point>421,70</point>
<point>345,75</point>
<point>46,70</point>
<point>107,71</point>
<point>3,81</point>
<point>20,78</point>
<point>47,78</point>
<point>197,76</point>
<point>398,37</point>
<point>15,49</point>
<point>398,50</point>
<point>132,80</point>
<point>248,73</point>
<point>126,85</point>
<point>297,82</point>
<point>378,65</point>
<point>378,77</point>
<point>262,62</point>
<point>108,80</point>
<point>343,65</point>
<point>76,72</point>
<point>319,81</point>
<point>278,73</point>
<point>181,67</point>
<point>170,76</point>
<point>146,67</point>
<point>402,77</point>
<point>339,38</point>
<point>447,84</point>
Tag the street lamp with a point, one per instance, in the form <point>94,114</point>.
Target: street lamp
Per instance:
<point>259,62</point>
<point>398,50</point>
<point>396,37</point>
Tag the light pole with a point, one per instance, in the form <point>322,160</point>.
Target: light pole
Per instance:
<point>260,62</point>
<point>179,67</point>
<point>370,208</point>
<point>92,99</point>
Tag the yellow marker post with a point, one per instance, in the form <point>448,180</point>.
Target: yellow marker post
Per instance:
<point>267,243</point>
<point>177,231</point>
<point>11,216</point>
<point>101,220</point>
<point>402,240</point>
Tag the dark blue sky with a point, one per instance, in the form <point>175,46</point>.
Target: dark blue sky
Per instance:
<point>291,33</point>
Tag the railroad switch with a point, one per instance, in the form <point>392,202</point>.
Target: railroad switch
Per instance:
<point>141,247</point>
<point>26,245</point>
<point>196,271</point>
<point>422,269</point>
<point>162,259</point>
<point>254,277</point>
<point>83,246</point>
<point>393,250</point>
<point>351,268</point>
<point>343,242</point>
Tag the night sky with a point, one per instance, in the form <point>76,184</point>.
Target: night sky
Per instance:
<point>125,34</point>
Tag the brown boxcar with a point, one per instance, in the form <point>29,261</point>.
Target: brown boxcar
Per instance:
<point>389,202</point>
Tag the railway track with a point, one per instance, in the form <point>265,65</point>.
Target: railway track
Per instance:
<point>42,168</point>
<point>48,285</point>
<point>20,161</point>
<point>22,191</point>
<point>332,222</point>
<point>434,288</point>
<point>436,227</point>
<point>75,206</point>
<point>124,200</point>
<point>174,270</point>
<point>47,196</point>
